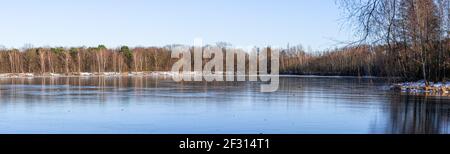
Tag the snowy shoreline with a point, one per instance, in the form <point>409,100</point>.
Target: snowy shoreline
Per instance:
<point>87,74</point>
<point>112,74</point>
<point>421,87</point>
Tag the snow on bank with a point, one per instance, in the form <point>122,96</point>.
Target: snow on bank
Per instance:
<point>421,87</point>
<point>159,74</point>
<point>88,74</point>
<point>17,75</point>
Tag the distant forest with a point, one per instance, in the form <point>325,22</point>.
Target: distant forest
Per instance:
<point>409,39</point>
<point>85,59</point>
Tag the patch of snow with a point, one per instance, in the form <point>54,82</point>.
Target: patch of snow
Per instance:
<point>85,74</point>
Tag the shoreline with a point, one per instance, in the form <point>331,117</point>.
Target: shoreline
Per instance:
<point>421,87</point>
<point>85,74</point>
<point>152,73</point>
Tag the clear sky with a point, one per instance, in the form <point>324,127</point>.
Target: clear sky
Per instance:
<point>312,23</point>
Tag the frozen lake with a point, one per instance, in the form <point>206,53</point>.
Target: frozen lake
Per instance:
<point>146,105</point>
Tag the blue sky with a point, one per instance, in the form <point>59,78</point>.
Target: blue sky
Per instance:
<point>312,23</point>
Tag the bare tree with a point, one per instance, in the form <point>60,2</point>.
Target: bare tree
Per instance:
<point>411,24</point>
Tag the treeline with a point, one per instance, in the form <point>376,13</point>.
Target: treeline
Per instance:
<point>364,60</point>
<point>96,59</point>
<point>354,61</point>
<point>83,59</point>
